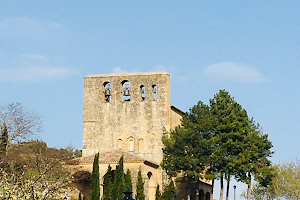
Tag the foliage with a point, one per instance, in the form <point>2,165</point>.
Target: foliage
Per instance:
<point>140,195</point>
<point>128,181</point>
<point>31,170</point>
<point>95,184</point>
<point>187,148</point>
<point>70,149</point>
<point>158,193</point>
<point>21,123</point>
<point>119,181</point>
<point>260,192</point>
<point>218,141</point>
<point>256,148</point>
<point>3,140</point>
<point>284,185</point>
<point>77,153</point>
<point>286,182</point>
<point>107,195</point>
<point>169,192</point>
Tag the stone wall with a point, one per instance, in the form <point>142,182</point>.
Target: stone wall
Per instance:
<point>116,124</point>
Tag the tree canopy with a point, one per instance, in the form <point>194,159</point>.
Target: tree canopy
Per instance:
<point>32,170</point>
<point>285,183</point>
<point>218,141</point>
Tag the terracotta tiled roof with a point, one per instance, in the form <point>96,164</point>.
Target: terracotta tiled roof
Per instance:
<point>112,156</point>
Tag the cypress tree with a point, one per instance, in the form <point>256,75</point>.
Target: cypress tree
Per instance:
<point>119,181</point>
<point>108,184</point>
<point>3,140</point>
<point>128,181</point>
<point>140,195</point>
<point>158,193</point>
<point>169,193</point>
<point>95,184</point>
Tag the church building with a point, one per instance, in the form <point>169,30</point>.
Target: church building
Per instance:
<point>127,114</point>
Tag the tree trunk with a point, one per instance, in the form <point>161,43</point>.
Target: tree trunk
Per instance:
<point>227,188</point>
<point>221,189</point>
<point>212,190</point>
<point>249,187</point>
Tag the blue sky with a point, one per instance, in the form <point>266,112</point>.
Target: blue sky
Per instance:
<point>249,48</point>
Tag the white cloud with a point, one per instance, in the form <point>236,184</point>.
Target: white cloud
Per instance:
<point>33,67</point>
<point>160,68</point>
<point>26,27</point>
<point>37,73</point>
<point>233,71</point>
<point>118,70</point>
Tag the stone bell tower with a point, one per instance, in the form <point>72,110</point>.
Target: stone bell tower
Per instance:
<point>129,112</point>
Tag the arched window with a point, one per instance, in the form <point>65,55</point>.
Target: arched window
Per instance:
<point>149,174</point>
<point>207,196</point>
<point>154,92</point>
<point>126,90</point>
<point>119,144</point>
<point>131,144</point>
<point>201,195</point>
<point>107,91</point>
<point>141,145</point>
<point>143,92</point>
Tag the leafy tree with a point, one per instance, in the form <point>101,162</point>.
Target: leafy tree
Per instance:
<point>95,184</point>
<point>21,123</point>
<point>108,184</point>
<point>169,192</point>
<point>140,195</point>
<point>128,181</point>
<point>119,181</point>
<point>218,141</point>
<point>3,140</point>
<point>285,183</point>
<point>253,161</point>
<point>77,153</point>
<point>188,147</point>
<point>287,180</point>
<point>31,170</point>
<point>158,193</point>
<point>259,192</point>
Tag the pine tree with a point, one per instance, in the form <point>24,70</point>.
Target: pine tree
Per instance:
<point>230,127</point>
<point>253,161</point>
<point>3,140</point>
<point>128,181</point>
<point>140,195</point>
<point>95,184</point>
<point>119,181</point>
<point>107,195</point>
<point>158,193</point>
<point>169,193</point>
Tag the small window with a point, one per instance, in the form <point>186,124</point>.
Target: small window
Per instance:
<point>154,92</point>
<point>149,174</point>
<point>141,145</point>
<point>119,144</point>
<point>131,144</point>
<point>143,92</point>
<point>126,90</point>
<point>107,91</point>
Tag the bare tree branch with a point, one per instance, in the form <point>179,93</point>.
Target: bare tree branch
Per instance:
<point>22,123</point>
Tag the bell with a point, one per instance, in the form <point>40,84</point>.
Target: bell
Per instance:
<point>107,92</point>
<point>126,92</point>
<point>155,90</point>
